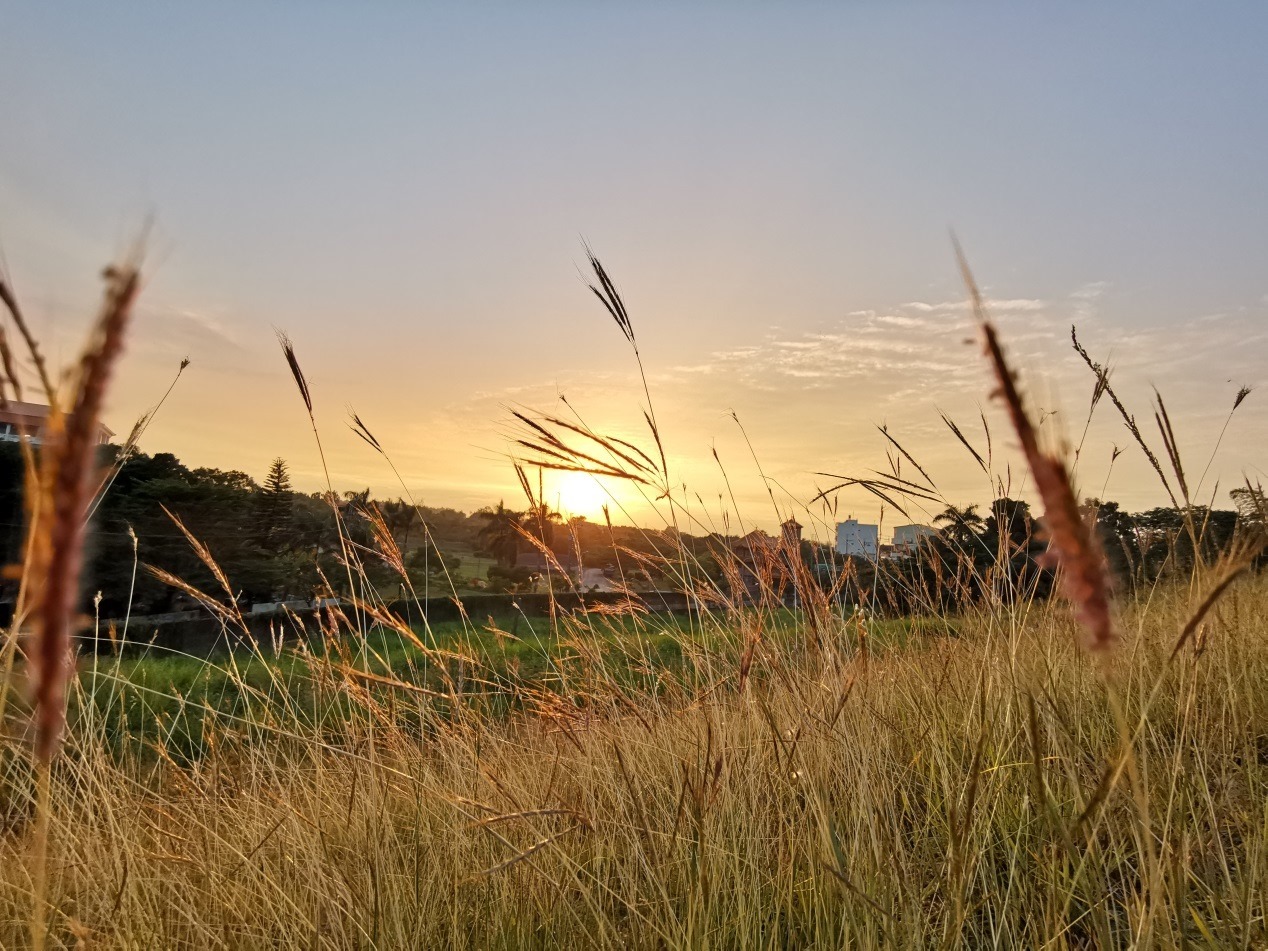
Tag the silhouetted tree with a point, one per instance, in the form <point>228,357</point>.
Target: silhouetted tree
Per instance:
<point>401,518</point>
<point>1117,533</point>
<point>275,505</point>
<point>502,533</point>
<point>540,521</point>
<point>961,526</point>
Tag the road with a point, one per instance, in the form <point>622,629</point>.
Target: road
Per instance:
<point>593,578</point>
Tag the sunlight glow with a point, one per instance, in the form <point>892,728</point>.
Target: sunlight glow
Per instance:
<point>578,493</point>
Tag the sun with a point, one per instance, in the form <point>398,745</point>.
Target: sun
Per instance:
<point>579,493</point>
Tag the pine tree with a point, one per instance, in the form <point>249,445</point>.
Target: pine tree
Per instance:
<point>278,481</point>
<point>276,503</point>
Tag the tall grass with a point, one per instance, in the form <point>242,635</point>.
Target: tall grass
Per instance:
<point>754,776</point>
<point>934,794</point>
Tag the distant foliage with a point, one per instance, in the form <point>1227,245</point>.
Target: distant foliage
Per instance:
<point>1000,556</point>
<point>277,543</point>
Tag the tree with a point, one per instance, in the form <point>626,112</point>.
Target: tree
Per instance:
<point>962,526</point>
<point>1010,519</point>
<point>1014,549</point>
<point>276,507</point>
<point>224,479</point>
<point>1117,532</point>
<point>278,481</point>
<point>501,533</point>
<point>1176,539</point>
<point>219,508</point>
<point>400,517</point>
<point>540,521</point>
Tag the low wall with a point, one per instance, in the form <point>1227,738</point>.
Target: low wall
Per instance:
<point>199,634</point>
<point>479,606</point>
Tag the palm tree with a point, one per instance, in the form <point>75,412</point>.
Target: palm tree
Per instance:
<point>961,525</point>
<point>400,517</point>
<point>540,520</point>
<point>501,533</point>
<point>351,512</point>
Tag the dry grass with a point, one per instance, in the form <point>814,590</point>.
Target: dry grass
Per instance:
<point>932,795</point>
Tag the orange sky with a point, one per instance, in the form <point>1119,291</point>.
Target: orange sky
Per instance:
<point>809,401</point>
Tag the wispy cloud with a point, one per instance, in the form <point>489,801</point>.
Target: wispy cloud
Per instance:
<point>1018,305</point>
<point>206,335</point>
<point>883,350</point>
<point>191,328</point>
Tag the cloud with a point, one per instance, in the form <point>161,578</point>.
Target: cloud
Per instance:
<point>884,353</point>
<point>1015,305</point>
<point>880,363</point>
<point>902,320</point>
<point>1093,290</point>
<point>186,330</point>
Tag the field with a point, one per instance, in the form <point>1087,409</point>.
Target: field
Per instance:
<point>123,698</point>
<point>949,790</point>
<point>977,744</point>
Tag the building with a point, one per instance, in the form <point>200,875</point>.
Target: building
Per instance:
<point>29,419</point>
<point>790,535</point>
<point>760,557</point>
<point>857,540</point>
<point>907,537</point>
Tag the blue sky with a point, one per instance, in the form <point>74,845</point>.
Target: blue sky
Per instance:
<point>404,188</point>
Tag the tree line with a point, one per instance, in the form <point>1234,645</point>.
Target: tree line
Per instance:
<point>271,541</point>
<point>276,543</point>
<point>1000,553</point>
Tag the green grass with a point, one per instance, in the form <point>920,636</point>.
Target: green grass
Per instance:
<point>470,567</point>
<point>172,700</point>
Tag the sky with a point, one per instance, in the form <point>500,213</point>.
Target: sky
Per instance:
<point>407,191</point>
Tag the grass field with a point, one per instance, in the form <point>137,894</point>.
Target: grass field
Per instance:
<point>946,790</point>
<point>471,566</point>
<point>126,698</point>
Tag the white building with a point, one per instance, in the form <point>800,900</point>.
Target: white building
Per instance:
<point>907,537</point>
<point>858,540</point>
<point>28,421</point>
